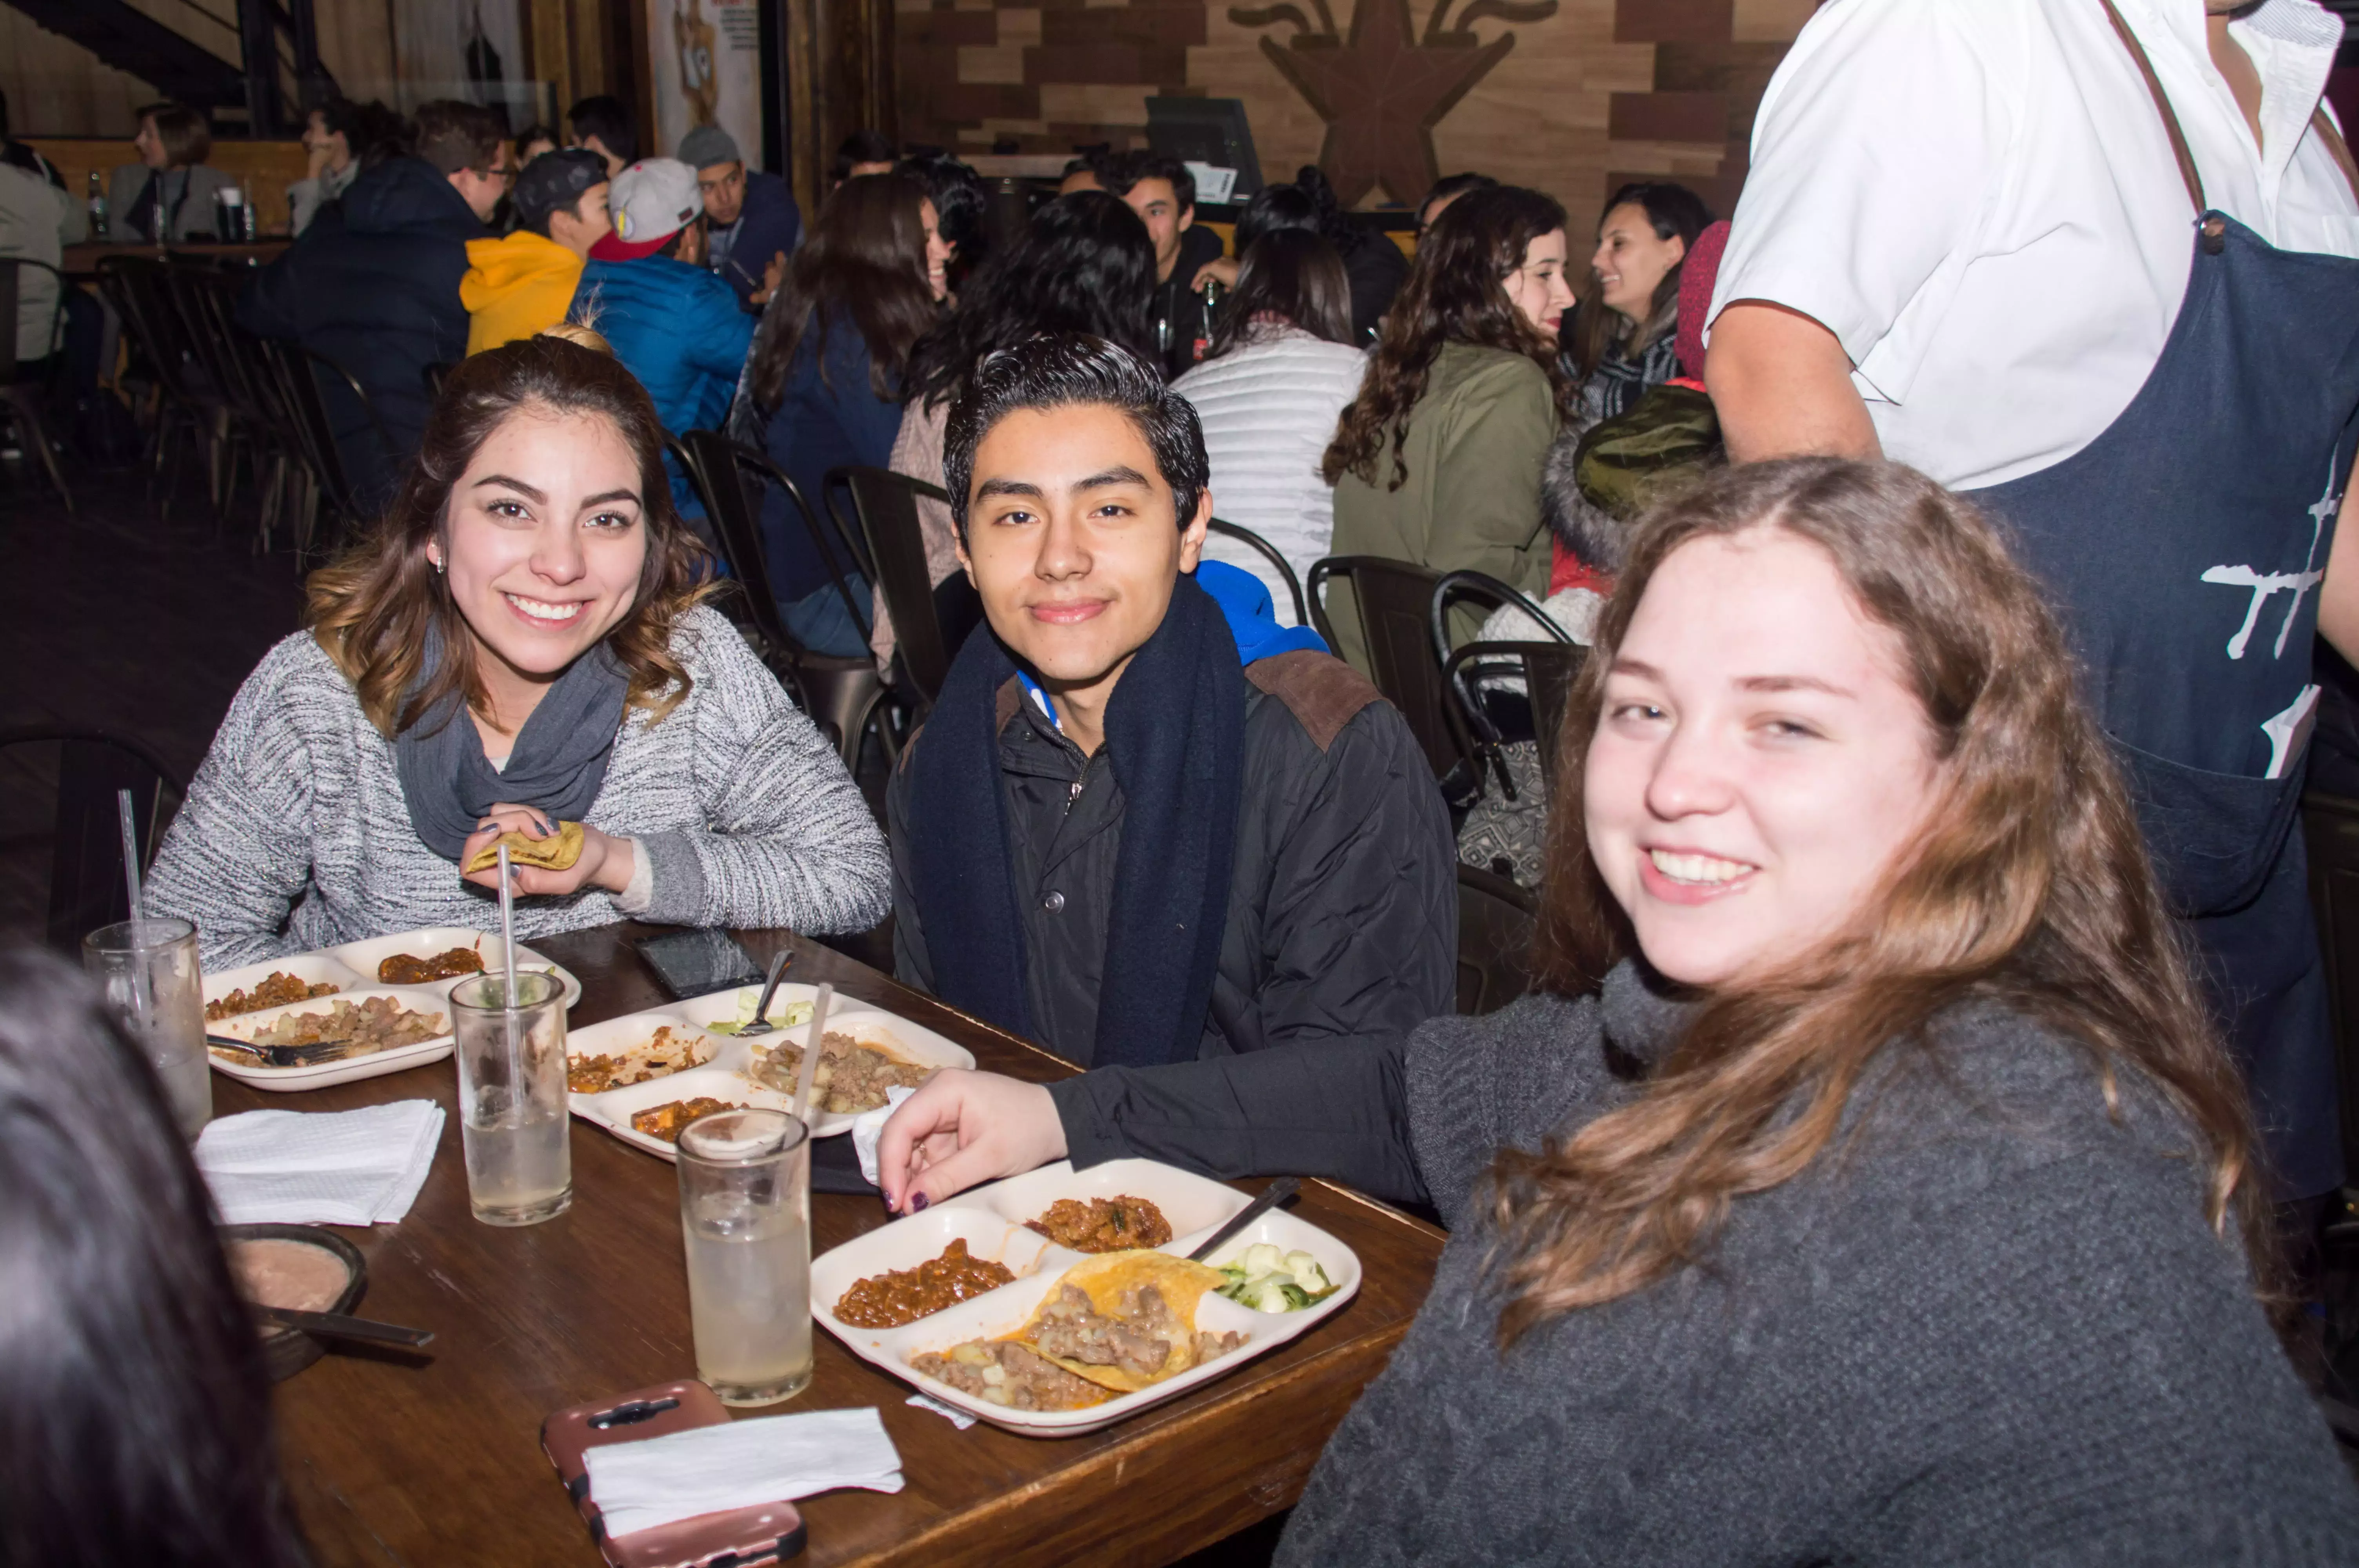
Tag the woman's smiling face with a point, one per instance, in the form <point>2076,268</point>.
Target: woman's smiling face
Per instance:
<point>1760,763</point>
<point>546,538</point>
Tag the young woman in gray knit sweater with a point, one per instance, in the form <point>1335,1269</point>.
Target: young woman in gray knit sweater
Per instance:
<point>520,642</point>
<point>1865,1183</point>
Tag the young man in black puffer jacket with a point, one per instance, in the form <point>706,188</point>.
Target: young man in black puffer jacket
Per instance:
<point>1144,823</point>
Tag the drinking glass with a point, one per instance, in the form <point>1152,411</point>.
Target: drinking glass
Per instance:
<point>512,1104</point>
<point>745,1212</point>
<point>149,970</point>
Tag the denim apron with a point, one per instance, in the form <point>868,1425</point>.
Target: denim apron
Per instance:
<point>2184,548</point>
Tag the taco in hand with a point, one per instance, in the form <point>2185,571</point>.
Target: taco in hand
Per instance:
<point>554,853</point>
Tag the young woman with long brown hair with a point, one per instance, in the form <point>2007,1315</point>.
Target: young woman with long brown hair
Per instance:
<point>864,287</point>
<point>1438,460</point>
<point>521,641</point>
<point>1865,1183</point>
<point>1622,337</point>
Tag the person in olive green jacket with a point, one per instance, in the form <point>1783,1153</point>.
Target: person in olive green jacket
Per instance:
<point>1438,460</point>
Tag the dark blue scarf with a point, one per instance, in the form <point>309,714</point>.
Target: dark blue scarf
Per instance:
<point>1175,739</point>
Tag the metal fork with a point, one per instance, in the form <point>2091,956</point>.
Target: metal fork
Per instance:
<point>309,1054</point>
<point>761,1024</point>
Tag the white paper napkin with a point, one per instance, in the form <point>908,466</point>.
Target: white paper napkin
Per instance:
<point>868,1127</point>
<point>344,1167</point>
<point>740,1464</point>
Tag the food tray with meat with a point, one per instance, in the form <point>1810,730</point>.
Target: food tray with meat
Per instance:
<point>395,1027</point>
<point>865,1049</point>
<point>441,956</point>
<point>1074,1341</point>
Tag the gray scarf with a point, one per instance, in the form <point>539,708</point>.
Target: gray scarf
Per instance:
<point>557,766</point>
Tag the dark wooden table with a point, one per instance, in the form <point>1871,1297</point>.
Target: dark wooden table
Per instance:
<point>438,1462</point>
<point>82,261</point>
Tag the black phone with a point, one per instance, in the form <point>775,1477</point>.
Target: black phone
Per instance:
<point>698,963</point>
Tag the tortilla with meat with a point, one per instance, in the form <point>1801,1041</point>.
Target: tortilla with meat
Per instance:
<point>554,853</point>
<point>1127,1287</point>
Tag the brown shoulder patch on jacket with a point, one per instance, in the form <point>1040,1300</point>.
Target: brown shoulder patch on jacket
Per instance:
<point>1010,699</point>
<point>1322,691</point>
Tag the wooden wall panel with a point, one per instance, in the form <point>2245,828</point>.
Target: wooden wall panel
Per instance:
<point>1594,93</point>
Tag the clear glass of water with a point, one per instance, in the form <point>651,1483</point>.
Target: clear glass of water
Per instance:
<point>149,970</point>
<point>745,1212</point>
<point>512,1106</point>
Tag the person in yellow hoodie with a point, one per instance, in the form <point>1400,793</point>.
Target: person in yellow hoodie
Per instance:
<point>522,283</point>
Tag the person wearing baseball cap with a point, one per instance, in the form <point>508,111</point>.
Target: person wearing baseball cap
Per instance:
<point>674,325</point>
<point>523,283</point>
<point>751,221</point>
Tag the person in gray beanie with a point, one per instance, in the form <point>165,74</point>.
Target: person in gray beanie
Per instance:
<point>752,222</point>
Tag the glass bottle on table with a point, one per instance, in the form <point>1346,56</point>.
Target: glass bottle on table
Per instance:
<point>514,1117</point>
<point>744,1218</point>
<point>97,202</point>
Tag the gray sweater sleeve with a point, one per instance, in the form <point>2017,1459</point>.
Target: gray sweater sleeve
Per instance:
<point>788,841</point>
<point>239,852</point>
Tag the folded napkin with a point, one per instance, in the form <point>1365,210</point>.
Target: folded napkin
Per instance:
<point>740,1464</point>
<point>343,1167</point>
<point>868,1128</point>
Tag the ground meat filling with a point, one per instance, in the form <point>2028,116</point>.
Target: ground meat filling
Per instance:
<point>1003,1372</point>
<point>851,1077</point>
<point>1138,1342</point>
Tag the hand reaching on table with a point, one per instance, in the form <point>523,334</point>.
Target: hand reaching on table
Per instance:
<point>962,1128</point>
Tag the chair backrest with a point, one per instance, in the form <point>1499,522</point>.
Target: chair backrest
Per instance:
<point>136,283</point>
<point>1270,553</point>
<point>1453,589</point>
<point>1495,922</point>
<point>86,882</point>
<point>1393,599</point>
<point>298,379</point>
<point>884,507</point>
<point>731,505</point>
<point>1547,671</point>
<point>12,287</point>
<point>2331,827</point>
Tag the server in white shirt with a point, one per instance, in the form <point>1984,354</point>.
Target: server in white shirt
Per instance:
<point>2098,263</point>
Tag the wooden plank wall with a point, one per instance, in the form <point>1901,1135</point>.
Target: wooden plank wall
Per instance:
<point>1597,92</point>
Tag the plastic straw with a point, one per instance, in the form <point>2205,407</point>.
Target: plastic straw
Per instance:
<point>507,941</point>
<point>810,1053</point>
<point>130,848</point>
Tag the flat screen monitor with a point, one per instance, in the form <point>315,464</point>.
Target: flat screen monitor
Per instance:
<point>1206,130</point>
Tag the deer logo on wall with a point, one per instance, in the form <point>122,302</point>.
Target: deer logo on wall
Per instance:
<point>1382,89</point>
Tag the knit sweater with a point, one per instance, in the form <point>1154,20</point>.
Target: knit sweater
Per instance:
<point>296,835</point>
<point>1989,1326</point>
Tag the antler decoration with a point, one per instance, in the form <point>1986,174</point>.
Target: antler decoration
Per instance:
<point>1435,32</point>
<point>1263,17</point>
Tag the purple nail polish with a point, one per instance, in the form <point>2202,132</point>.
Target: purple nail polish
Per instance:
<point>916,1203</point>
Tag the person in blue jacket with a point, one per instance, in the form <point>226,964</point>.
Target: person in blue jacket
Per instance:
<point>374,285</point>
<point>826,378</point>
<point>674,325</point>
<point>751,221</point>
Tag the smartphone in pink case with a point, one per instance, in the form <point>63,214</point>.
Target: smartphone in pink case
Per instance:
<point>742,1538</point>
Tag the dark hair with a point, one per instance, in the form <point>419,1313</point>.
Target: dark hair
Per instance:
<point>537,132</point>
<point>861,146</point>
<point>1342,231</point>
<point>186,138</point>
<point>700,224</point>
<point>453,136</point>
<point>1084,265</point>
<point>864,261</point>
<point>1596,329</point>
<point>1119,173</point>
<point>1069,370</point>
<point>1452,185</point>
<point>372,131</point>
<point>1274,208</point>
<point>133,1406</point>
<point>1455,293</point>
<point>1292,275</point>
<point>371,608</point>
<point>956,191</point>
<point>608,118</point>
<point>2028,889</point>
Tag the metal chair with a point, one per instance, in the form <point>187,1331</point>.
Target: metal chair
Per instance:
<point>297,375</point>
<point>1495,923</point>
<point>884,507</point>
<point>1391,602</point>
<point>843,693</point>
<point>1474,674</point>
<point>1270,553</point>
<point>21,398</point>
<point>135,284</point>
<point>86,882</point>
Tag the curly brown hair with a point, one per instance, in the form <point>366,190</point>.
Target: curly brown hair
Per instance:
<point>1455,293</point>
<point>371,608</point>
<point>2031,890</point>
